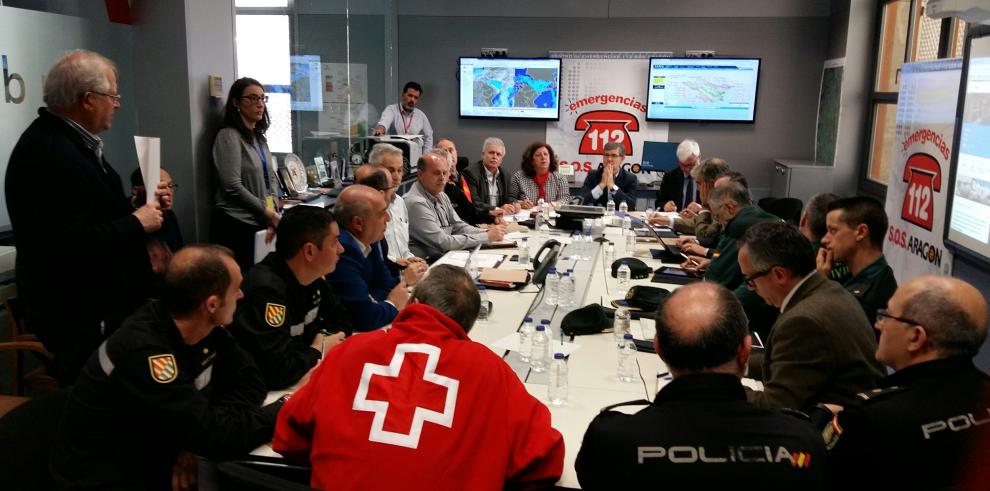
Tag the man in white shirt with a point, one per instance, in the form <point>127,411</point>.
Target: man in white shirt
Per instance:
<point>402,118</point>
<point>389,157</point>
<point>435,227</point>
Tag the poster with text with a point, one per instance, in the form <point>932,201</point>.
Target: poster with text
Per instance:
<point>916,192</point>
<point>603,99</point>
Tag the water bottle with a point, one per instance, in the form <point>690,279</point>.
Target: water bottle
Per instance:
<point>623,275</point>
<point>545,209</point>
<point>627,359</point>
<point>557,388</point>
<point>610,208</point>
<point>549,330</point>
<point>589,246</point>
<point>538,221</point>
<point>577,246</point>
<point>551,287</point>
<point>566,291</point>
<point>524,251</point>
<point>538,358</point>
<point>630,242</point>
<point>483,311</point>
<point>526,339</point>
<point>609,254</point>
<point>626,222</point>
<point>620,326</point>
<point>624,207</point>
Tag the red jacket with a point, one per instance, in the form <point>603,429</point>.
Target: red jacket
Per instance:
<point>455,416</point>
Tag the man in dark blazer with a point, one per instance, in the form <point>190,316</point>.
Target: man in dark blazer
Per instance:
<point>457,189</point>
<point>362,282</point>
<point>610,181</point>
<point>487,185</point>
<point>82,265</point>
<point>821,349</point>
<point>677,189</point>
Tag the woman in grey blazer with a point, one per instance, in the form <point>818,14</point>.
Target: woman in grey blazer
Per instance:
<point>247,196</point>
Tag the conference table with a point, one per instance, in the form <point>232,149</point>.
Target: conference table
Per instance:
<point>592,359</point>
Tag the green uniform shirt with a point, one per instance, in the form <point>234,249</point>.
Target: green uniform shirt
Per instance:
<point>872,287</point>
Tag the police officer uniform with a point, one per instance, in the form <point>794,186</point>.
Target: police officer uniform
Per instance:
<point>872,287</point>
<point>917,431</point>
<point>700,433</point>
<point>145,394</point>
<point>278,318</point>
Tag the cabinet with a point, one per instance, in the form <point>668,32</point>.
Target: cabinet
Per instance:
<point>800,179</point>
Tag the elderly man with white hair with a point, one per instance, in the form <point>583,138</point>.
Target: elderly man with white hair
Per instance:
<point>678,189</point>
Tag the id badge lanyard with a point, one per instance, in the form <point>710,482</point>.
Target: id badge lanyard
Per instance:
<point>269,192</point>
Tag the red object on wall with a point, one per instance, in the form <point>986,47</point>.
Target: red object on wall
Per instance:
<point>119,11</point>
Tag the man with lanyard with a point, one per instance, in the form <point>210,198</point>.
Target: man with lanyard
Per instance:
<point>404,119</point>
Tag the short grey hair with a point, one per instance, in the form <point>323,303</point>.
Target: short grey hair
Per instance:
<point>731,191</point>
<point>442,152</point>
<point>950,329</point>
<point>615,146</point>
<point>710,170</point>
<point>816,210</point>
<point>491,140</point>
<point>688,148</point>
<point>380,149</point>
<point>450,290</point>
<point>74,74</point>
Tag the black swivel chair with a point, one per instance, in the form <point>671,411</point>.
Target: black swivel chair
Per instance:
<point>788,209</point>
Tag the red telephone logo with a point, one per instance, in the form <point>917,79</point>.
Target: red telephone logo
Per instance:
<point>924,177</point>
<point>601,127</point>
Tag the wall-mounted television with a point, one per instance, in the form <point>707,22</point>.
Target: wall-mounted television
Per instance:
<point>967,228</point>
<point>510,88</point>
<point>702,89</point>
<point>659,156</point>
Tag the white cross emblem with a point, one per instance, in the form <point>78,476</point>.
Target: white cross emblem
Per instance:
<point>421,414</point>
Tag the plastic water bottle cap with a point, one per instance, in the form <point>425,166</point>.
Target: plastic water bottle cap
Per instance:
<point>541,327</point>
<point>545,322</point>
<point>528,319</point>
<point>481,288</point>
<point>552,269</point>
<point>611,243</point>
<point>558,356</point>
<point>627,336</point>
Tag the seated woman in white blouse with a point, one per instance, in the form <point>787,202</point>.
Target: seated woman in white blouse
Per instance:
<point>538,178</point>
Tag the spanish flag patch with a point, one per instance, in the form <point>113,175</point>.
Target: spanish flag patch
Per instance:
<point>163,368</point>
<point>274,314</point>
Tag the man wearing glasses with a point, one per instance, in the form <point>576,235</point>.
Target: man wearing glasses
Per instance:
<point>930,414</point>
<point>82,265</point>
<point>610,182</point>
<point>820,349</point>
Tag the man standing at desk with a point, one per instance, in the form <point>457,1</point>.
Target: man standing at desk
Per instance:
<point>403,118</point>
<point>434,227</point>
<point>610,182</point>
<point>699,432</point>
<point>82,262</point>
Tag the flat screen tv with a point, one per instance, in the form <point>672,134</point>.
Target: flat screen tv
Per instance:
<point>659,156</point>
<point>510,88</point>
<point>702,89</point>
<point>968,211</point>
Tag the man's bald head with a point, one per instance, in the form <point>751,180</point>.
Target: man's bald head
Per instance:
<point>702,327</point>
<point>356,200</point>
<point>953,313</point>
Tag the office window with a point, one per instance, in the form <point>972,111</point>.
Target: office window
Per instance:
<point>263,54</point>
<point>905,34</point>
<point>261,3</point>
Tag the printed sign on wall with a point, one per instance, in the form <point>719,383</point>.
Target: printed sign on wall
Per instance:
<point>602,99</point>
<point>916,192</point>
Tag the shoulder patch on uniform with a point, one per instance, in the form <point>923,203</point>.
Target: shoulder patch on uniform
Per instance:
<point>872,395</point>
<point>163,368</point>
<point>274,314</point>
<point>831,433</point>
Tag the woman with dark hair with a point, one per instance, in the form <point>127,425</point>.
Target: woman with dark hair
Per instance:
<point>538,178</point>
<point>246,198</point>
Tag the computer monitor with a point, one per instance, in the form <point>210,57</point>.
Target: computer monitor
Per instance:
<point>659,156</point>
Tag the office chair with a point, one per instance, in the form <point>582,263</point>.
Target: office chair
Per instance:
<point>261,476</point>
<point>788,209</point>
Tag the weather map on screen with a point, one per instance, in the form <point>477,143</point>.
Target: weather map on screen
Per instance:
<point>510,88</point>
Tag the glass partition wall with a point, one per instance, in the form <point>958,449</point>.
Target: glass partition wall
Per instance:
<point>328,67</point>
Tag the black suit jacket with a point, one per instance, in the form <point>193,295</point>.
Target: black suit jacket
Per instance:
<point>465,208</point>
<point>672,188</point>
<point>626,182</point>
<point>477,181</point>
<point>82,263</point>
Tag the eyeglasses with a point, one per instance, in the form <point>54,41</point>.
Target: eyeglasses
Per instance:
<point>254,99</point>
<point>611,156</point>
<point>751,279</point>
<point>885,314</point>
<point>115,97</point>
<point>173,186</point>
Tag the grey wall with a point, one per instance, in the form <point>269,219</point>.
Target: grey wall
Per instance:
<point>792,49</point>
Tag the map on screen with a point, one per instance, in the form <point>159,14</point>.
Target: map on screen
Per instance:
<point>510,88</point>
<point>702,89</point>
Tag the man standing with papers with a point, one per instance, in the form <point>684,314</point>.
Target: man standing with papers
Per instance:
<point>434,227</point>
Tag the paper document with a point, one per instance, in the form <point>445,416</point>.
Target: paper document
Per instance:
<point>511,343</point>
<point>480,260</point>
<point>261,249</point>
<point>149,153</point>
